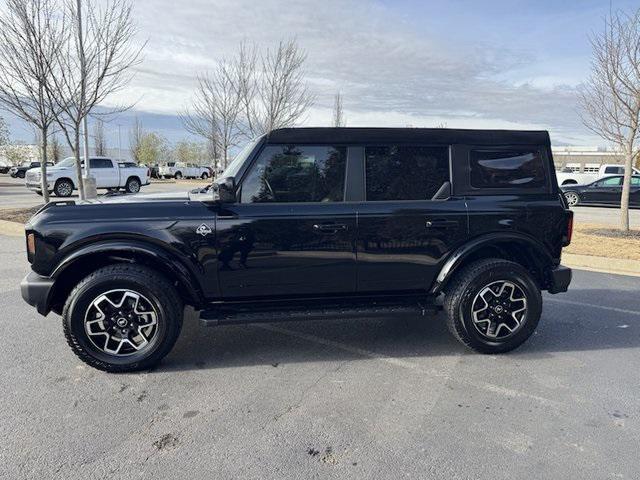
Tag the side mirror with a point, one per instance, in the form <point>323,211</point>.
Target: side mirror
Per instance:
<point>225,190</point>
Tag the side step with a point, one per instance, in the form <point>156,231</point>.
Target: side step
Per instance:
<point>281,311</point>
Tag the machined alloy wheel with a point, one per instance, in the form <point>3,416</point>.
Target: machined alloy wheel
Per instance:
<point>133,185</point>
<point>121,322</point>
<point>64,188</point>
<point>492,305</point>
<point>499,309</point>
<point>572,198</point>
<point>122,318</point>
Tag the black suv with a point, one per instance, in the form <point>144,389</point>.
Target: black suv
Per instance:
<point>313,223</point>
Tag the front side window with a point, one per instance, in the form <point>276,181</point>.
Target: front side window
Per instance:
<point>506,169</point>
<point>397,172</point>
<point>293,173</point>
<point>635,181</point>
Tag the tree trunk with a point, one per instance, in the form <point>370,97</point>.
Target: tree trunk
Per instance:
<point>626,188</point>
<point>76,153</point>
<point>43,165</point>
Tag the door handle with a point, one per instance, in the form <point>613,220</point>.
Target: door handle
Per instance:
<point>329,227</point>
<point>441,223</point>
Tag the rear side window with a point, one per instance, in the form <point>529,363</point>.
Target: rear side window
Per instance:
<point>507,169</point>
<point>100,163</point>
<point>396,172</point>
<point>293,173</point>
<point>614,170</point>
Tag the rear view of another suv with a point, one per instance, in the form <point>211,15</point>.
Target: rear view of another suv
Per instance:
<point>314,223</point>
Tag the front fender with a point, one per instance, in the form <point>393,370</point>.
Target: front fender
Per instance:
<point>166,261</point>
<point>458,256</point>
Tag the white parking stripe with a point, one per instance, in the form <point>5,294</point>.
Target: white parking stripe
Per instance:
<point>592,305</point>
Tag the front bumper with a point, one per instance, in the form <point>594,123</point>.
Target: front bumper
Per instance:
<point>36,185</point>
<point>35,291</point>
<point>560,278</point>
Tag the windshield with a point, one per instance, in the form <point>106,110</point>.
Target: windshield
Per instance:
<point>234,167</point>
<point>67,162</point>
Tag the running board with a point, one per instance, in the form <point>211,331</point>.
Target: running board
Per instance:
<point>260,312</point>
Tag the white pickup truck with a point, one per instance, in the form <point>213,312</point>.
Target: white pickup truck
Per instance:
<point>180,170</point>
<point>577,178</point>
<point>109,174</point>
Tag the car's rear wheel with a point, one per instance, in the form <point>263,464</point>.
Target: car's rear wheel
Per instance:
<point>178,176</point>
<point>21,174</point>
<point>122,318</point>
<point>63,188</point>
<point>493,305</point>
<point>204,175</point>
<point>572,198</point>
<point>132,185</point>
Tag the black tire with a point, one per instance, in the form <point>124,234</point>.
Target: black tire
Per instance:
<point>39,192</point>
<point>465,289</point>
<point>204,175</point>
<point>21,174</point>
<point>161,296</point>
<point>178,175</point>
<point>63,188</point>
<point>132,185</point>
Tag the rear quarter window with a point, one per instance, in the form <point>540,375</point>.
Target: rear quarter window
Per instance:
<point>506,169</point>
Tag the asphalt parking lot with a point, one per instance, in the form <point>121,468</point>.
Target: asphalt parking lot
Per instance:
<point>335,399</point>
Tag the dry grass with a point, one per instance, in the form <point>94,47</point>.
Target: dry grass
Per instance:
<point>604,241</point>
<point>19,215</point>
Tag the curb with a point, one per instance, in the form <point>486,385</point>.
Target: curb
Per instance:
<point>12,229</point>
<point>592,263</point>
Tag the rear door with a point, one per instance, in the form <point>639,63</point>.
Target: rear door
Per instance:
<point>404,233</point>
<point>105,173</point>
<point>291,232</point>
<point>634,195</point>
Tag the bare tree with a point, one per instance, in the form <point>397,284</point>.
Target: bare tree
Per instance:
<point>99,140</point>
<point>94,64</point>
<point>31,38</point>
<point>4,132</point>
<point>610,99</point>
<point>338,114</point>
<point>271,86</point>
<point>214,112</point>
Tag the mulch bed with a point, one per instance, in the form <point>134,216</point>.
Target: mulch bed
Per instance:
<point>20,215</point>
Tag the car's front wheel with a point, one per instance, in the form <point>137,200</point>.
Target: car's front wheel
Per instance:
<point>178,176</point>
<point>572,198</point>
<point>122,318</point>
<point>204,175</point>
<point>493,305</point>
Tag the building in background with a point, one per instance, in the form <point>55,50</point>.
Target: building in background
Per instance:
<point>584,159</point>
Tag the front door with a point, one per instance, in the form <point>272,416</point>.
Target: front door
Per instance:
<point>608,190</point>
<point>291,233</point>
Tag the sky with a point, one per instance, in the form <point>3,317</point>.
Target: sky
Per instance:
<point>467,64</point>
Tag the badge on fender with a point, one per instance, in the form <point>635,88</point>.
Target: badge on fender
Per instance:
<point>203,230</point>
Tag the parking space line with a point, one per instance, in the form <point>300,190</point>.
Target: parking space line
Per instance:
<point>593,305</point>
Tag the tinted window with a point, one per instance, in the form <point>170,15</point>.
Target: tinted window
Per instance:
<point>405,172</point>
<point>100,163</point>
<point>614,170</point>
<point>635,181</point>
<point>506,169</point>
<point>610,182</point>
<point>290,173</point>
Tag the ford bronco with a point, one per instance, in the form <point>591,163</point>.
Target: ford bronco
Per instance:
<point>311,223</point>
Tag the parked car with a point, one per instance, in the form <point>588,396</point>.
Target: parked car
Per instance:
<point>109,174</point>
<point>180,170</point>
<point>4,167</point>
<point>585,178</point>
<point>606,191</point>
<point>314,223</point>
<point>21,171</point>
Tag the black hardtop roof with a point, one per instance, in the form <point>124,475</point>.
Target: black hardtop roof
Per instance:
<point>444,136</point>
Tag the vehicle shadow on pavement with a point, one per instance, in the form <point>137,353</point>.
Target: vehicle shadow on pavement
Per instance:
<point>564,327</point>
